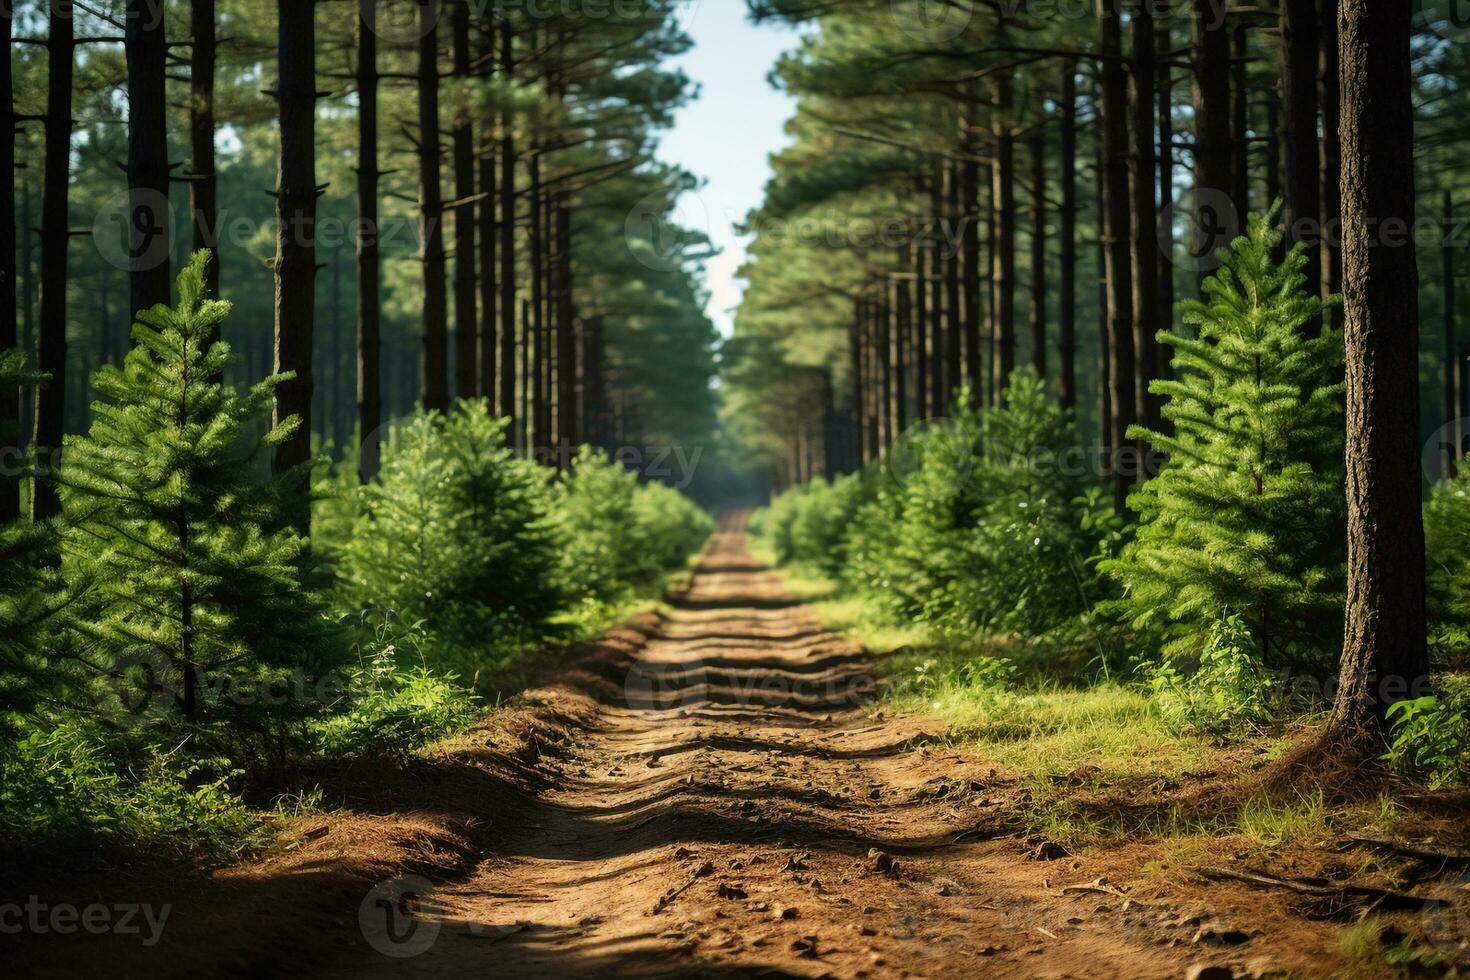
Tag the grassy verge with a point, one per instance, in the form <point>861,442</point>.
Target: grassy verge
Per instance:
<point>1093,759</point>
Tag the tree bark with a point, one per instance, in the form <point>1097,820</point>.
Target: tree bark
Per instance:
<point>1385,656</point>
<point>466,320</point>
<point>507,239</point>
<point>922,354</point>
<point>960,205</point>
<point>1037,312</point>
<point>204,181</point>
<point>1163,43</point>
<point>1451,402</point>
<point>1300,42</point>
<point>50,413</point>
<point>9,396</point>
<point>296,195</point>
<point>369,264</point>
<point>431,216</point>
<point>1331,157</point>
<point>148,170</point>
<point>566,334</point>
<point>1240,115</point>
<point>970,251</point>
<point>938,286</point>
<point>1003,261</point>
<point>1118,276</point>
<point>859,379</point>
<point>536,256</point>
<point>1145,243</point>
<point>488,231</point>
<point>1214,182</point>
<point>1067,301</point>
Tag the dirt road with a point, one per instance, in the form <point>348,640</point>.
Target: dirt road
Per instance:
<point>715,795</point>
<point>739,813</point>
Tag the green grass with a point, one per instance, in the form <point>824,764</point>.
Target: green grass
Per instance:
<point>1094,753</point>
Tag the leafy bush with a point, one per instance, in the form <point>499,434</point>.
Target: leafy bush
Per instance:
<point>79,783</point>
<point>393,702</point>
<point>458,533</point>
<point>1430,740</point>
<point>1248,514</point>
<point>623,535</point>
<point>1447,543</point>
<point>1224,690</point>
<point>988,524</point>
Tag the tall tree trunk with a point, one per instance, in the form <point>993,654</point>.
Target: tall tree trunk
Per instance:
<point>507,238</point>
<point>1067,310</point>
<point>1273,145</point>
<point>1114,125</point>
<point>859,380</point>
<point>1331,156</point>
<point>1240,117</point>
<point>431,216</point>
<point>1163,43</point>
<point>50,413</point>
<point>1451,402</point>
<point>369,265</point>
<point>148,170</point>
<point>488,231</point>
<point>1300,42</point>
<point>536,254</point>
<point>959,206</point>
<point>902,323</point>
<point>1145,244</point>
<point>9,396</point>
<point>204,181</point>
<point>922,354</point>
<point>1037,312</point>
<point>566,334</point>
<point>1003,261</point>
<point>296,194</point>
<point>1104,367</point>
<point>466,320</point>
<point>970,252</point>
<point>1385,656</point>
<point>937,284</point>
<point>1214,182</point>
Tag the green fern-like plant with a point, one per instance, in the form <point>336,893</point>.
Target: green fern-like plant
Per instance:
<point>1248,514</point>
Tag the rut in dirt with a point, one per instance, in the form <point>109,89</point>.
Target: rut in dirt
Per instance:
<point>739,809</point>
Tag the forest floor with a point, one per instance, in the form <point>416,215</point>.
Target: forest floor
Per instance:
<point>712,792</point>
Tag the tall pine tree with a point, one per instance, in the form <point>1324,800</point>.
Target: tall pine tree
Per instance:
<point>1247,515</point>
<point>172,516</point>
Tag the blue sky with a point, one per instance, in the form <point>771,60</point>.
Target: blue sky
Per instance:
<point>726,135</point>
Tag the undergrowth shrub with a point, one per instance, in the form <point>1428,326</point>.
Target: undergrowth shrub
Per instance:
<point>458,533</point>
<point>988,524</point>
<point>622,535</point>
<point>1223,690</point>
<point>1430,741</point>
<point>393,701</point>
<point>1247,516</point>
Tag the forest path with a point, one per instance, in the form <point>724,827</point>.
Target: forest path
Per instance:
<point>723,821</point>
